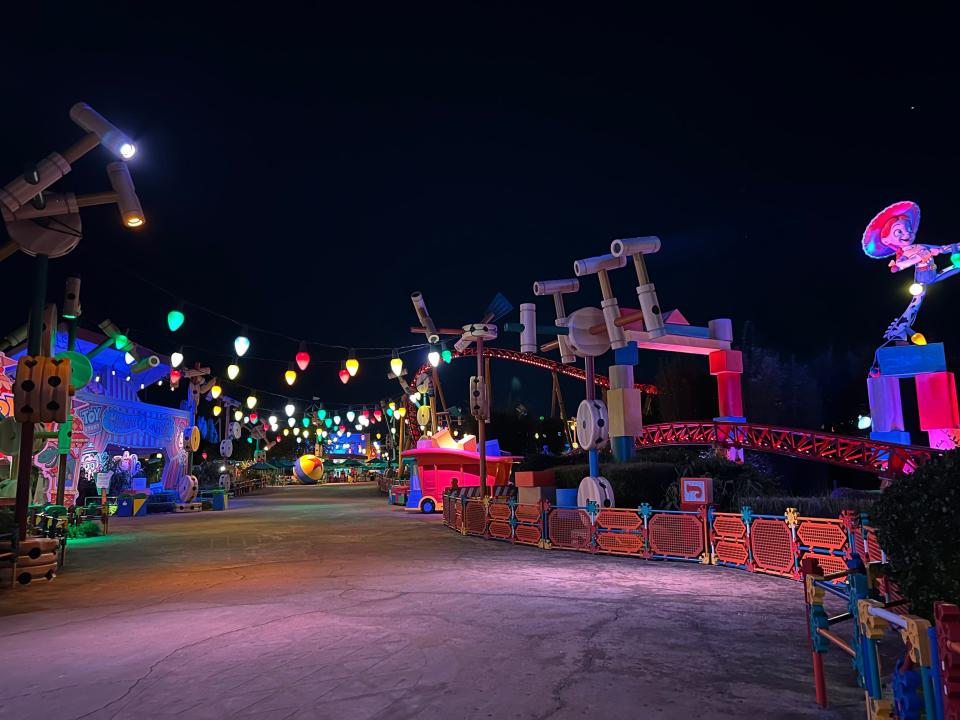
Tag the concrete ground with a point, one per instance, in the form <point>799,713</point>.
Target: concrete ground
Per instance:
<point>323,602</point>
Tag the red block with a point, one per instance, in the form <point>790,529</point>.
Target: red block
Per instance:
<point>937,401</point>
<point>726,361</point>
<point>541,478</point>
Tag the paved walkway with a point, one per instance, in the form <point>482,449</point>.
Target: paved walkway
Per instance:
<point>322,602</point>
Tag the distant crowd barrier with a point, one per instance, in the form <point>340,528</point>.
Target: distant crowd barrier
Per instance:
<point>768,544</point>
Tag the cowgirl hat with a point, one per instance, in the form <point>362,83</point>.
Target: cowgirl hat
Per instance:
<point>872,244</point>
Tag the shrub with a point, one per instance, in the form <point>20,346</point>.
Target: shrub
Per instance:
<point>731,481</point>
<point>818,506</point>
<point>86,529</point>
<point>632,483</point>
<point>918,525</point>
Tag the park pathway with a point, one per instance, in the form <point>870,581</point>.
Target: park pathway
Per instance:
<point>323,602</point>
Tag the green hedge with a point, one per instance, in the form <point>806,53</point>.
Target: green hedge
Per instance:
<point>918,525</point>
<point>632,483</point>
<point>818,506</point>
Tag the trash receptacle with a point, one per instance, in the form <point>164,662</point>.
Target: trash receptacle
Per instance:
<point>218,499</point>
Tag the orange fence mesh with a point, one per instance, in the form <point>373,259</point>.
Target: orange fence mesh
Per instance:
<point>450,511</point>
<point>676,535</point>
<point>527,513</point>
<point>499,510</point>
<point>772,547</point>
<point>619,520</point>
<point>620,543</point>
<point>822,533</point>
<point>570,529</point>
<point>527,534</point>
<point>475,517</point>
<point>828,563</point>
<point>458,515</point>
<point>729,525</point>
<point>500,530</point>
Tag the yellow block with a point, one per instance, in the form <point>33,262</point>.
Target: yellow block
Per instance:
<point>625,407</point>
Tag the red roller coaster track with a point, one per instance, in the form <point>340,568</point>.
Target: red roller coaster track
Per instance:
<point>537,362</point>
<point>852,452</point>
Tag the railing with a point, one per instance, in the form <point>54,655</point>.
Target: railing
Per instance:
<point>924,681</point>
<point>846,451</point>
<point>769,544</point>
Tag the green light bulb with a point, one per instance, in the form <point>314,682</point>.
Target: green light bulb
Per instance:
<point>955,259</point>
<point>121,341</point>
<point>321,414</point>
<point>446,355</point>
<point>175,319</point>
<point>305,421</point>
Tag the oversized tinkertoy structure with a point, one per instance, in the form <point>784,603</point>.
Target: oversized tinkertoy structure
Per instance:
<point>589,332</point>
<point>46,225</point>
<point>905,352</point>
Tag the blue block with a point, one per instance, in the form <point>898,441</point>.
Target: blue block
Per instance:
<point>911,360</point>
<point>687,330</point>
<point>623,447</point>
<point>892,436</point>
<point>566,497</point>
<point>628,355</point>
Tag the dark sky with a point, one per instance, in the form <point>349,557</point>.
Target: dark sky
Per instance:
<point>304,171</point>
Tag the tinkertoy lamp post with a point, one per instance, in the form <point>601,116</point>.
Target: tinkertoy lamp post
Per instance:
<point>47,225</point>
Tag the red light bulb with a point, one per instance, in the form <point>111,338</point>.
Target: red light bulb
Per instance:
<point>377,415</point>
<point>253,417</point>
<point>303,359</point>
<point>344,376</point>
<point>175,376</point>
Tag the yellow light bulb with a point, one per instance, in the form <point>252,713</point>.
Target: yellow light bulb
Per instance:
<point>290,376</point>
<point>352,366</point>
<point>217,410</point>
<point>916,289</point>
<point>251,401</point>
<point>918,339</point>
<point>215,391</point>
<point>396,365</point>
<point>233,370</point>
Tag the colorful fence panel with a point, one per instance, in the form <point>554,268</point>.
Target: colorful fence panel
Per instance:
<point>474,517</point>
<point>728,540</point>
<point>825,539</point>
<point>772,547</point>
<point>500,514</point>
<point>676,535</point>
<point>620,532</point>
<point>570,529</point>
<point>528,528</point>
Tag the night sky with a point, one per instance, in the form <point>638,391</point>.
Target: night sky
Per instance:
<point>305,171</point>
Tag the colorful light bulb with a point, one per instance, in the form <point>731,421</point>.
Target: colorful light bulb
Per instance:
<point>302,357</point>
<point>305,421</point>
<point>175,320</point>
<point>176,358</point>
<point>175,376</point>
<point>350,415</point>
<point>241,343</point>
<point>217,409</point>
<point>237,415</point>
<point>233,370</point>
<point>215,391</point>
<point>321,414</point>
<point>433,357</point>
<point>396,364</point>
<point>344,376</point>
<point>290,376</point>
<point>352,364</point>
<point>445,353</point>
<point>251,401</point>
